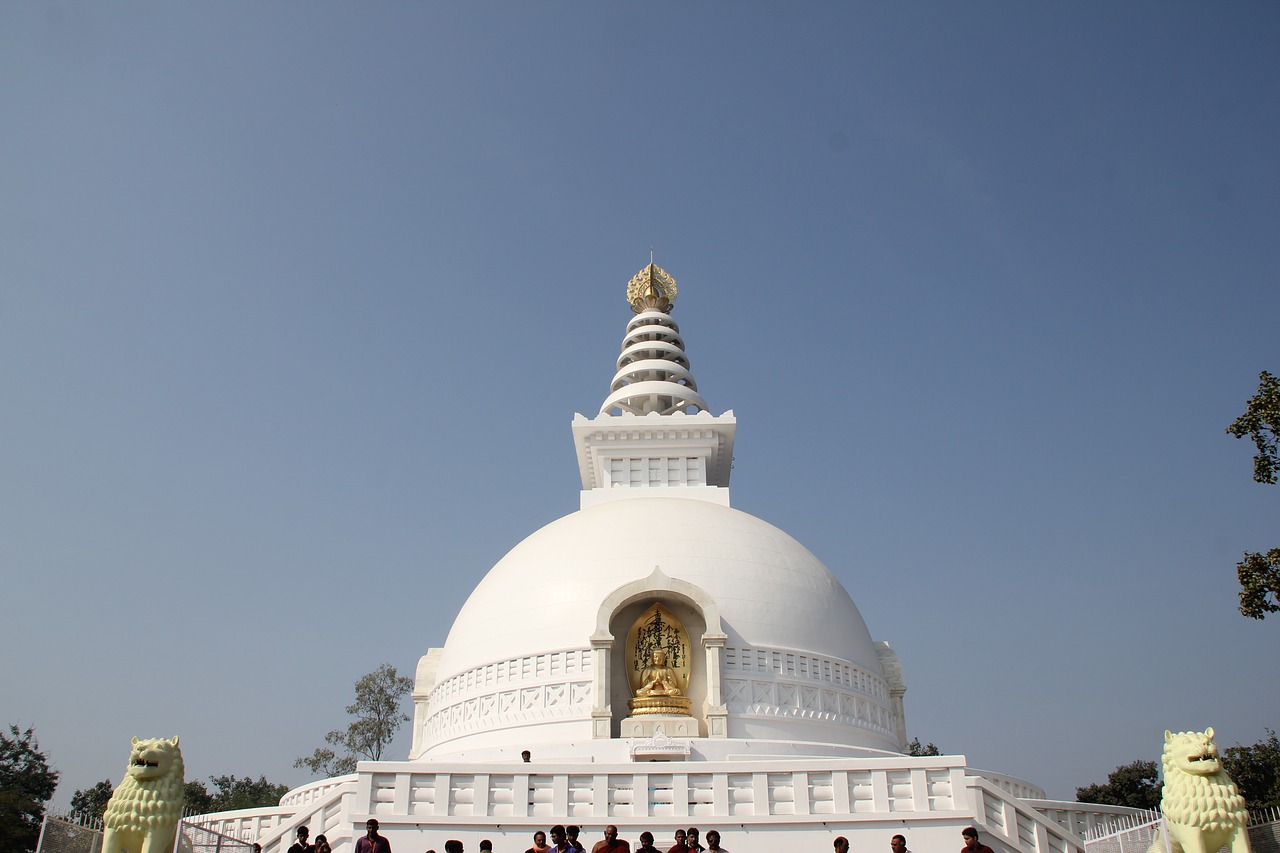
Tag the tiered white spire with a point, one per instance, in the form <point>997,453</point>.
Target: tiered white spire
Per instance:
<point>653,371</point>
<point>654,435</point>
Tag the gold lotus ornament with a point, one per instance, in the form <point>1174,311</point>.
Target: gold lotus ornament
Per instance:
<point>652,287</point>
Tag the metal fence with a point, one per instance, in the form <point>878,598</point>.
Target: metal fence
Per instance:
<point>1264,830</point>
<point>1137,833</point>
<point>83,834</point>
<point>1125,834</point>
<point>199,839</point>
<point>70,834</point>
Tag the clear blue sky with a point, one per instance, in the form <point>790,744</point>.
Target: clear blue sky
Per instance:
<point>297,301</point>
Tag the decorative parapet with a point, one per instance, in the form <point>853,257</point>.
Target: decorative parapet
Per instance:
<point>768,683</point>
<point>542,687</point>
<point>676,455</point>
<point>660,746</point>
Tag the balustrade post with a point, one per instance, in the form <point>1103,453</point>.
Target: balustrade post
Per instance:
<point>919,790</point>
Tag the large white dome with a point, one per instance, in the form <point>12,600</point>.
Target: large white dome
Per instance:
<point>545,593</point>
<point>780,654</point>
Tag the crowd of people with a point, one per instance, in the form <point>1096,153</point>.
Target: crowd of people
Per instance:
<point>564,839</point>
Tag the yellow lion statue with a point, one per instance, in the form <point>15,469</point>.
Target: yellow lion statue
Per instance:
<point>1202,808</point>
<point>143,814</point>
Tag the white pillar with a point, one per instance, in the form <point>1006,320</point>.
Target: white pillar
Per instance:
<point>716,712</point>
<point>601,710</point>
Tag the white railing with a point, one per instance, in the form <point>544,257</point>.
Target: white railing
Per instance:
<point>1017,824</point>
<point>311,791</point>
<point>1270,814</point>
<point>1138,833</point>
<point>1085,820</point>
<point>1020,788</point>
<point>274,828</point>
<point>1139,819</point>
<point>245,824</point>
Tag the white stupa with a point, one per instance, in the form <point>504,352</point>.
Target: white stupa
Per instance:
<point>668,661</point>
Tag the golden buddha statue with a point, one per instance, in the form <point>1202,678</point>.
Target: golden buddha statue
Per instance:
<point>659,691</point>
<point>658,679</point>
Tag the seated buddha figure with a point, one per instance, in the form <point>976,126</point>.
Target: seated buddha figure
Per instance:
<point>658,679</point>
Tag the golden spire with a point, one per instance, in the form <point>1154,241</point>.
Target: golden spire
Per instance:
<point>652,287</point>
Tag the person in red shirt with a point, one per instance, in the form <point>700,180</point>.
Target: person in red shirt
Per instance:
<point>971,842</point>
<point>679,846</point>
<point>371,841</point>
<point>611,843</point>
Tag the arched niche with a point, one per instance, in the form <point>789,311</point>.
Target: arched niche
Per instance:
<point>618,611</point>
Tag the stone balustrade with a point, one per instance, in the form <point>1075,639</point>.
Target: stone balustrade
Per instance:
<point>508,803</point>
<point>300,796</point>
<point>850,789</point>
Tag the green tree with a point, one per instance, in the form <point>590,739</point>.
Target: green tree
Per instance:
<point>1135,785</point>
<point>92,802</point>
<point>247,793</point>
<point>914,748</point>
<point>26,784</point>
<point>1256,771</point>
<point>196,798</point>
<point>376,715</point>
<point>1259,573</point>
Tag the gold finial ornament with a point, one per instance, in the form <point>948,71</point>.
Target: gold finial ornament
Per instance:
<point>652,287</point>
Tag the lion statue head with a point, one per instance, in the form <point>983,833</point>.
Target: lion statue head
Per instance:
<point>154,758</point>
<point>1191,752</point>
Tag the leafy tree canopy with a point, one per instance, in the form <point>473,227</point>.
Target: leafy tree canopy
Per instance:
<point>196,798</point>
<point>247,793</point>
<point>92,802</point>
<point>1261,421</point>
<point>914,748</point>
<point>229,793</point>
<point>26,784</point>
<point>1259,573</point>
<point>1135,785</point>
<point>1259,576</point>
<point>376,716</point>
<point>1256,771</point>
